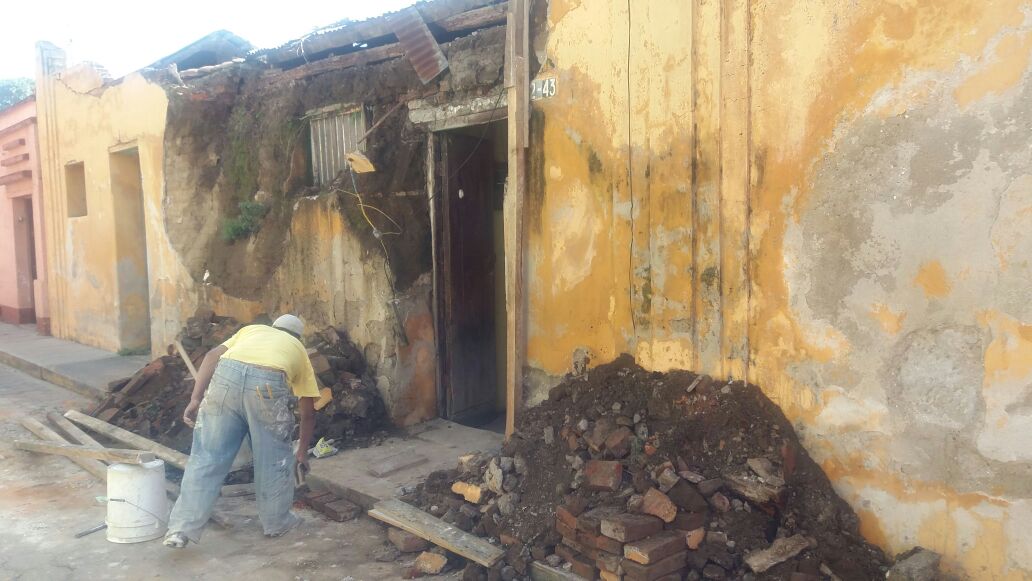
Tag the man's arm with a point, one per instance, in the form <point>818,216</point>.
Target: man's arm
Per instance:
<point>204,374</point>
<point>306,405</point>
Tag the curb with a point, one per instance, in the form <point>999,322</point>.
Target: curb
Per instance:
<point>52,377</point>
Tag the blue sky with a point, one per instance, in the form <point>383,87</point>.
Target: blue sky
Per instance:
<point>124,36</point>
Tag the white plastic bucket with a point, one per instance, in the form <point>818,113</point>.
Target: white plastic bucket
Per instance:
<point>137,509</point>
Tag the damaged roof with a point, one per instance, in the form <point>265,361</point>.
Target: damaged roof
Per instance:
<point>212,49</point>
<point>348,36</point>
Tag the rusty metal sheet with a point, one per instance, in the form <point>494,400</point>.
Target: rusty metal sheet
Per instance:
<point>420,46</point>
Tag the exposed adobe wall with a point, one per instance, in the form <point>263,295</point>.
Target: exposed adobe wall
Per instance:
<point>241,131</point>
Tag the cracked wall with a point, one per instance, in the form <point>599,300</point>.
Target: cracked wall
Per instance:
<point>830,199</point>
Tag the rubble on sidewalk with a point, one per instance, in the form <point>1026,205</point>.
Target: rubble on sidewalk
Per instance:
<point>151,402</point>
<point>638,476</point>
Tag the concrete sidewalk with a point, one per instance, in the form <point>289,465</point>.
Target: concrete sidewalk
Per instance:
<point>84,370</point>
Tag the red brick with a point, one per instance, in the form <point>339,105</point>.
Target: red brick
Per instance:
<point>312,497</point>
<point>603,475</point>
<point>609,563</point>
<point>341,510</point>
<point>406,542</point>
<point>564,529</point>
<point>688,521</point>
<point>659,505</point>
<point>618,444</point>
<point>630,527</point>
<point>638,572</point>
<point>686,497</point>
<point>563,515</point>
<point>591,521</point>
<point>655,548</point>
<point>580,565</point>
<point>600,542</point>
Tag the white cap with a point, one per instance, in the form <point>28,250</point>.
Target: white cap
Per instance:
<point>290,323</point>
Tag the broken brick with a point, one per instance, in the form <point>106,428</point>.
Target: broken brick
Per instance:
<point>686,497</point>
<point>659,505</point>
<point>695,538</point>
<point>609,562</point>
<point>597,437</point>
<point>600,542</point>
<point>579,564</point>
<point>431,563</point>
<point>564,515</point>
<point>618,444</point>
<point>720,502</point>
<point>340,510</point>
<point>609,576</point>
<point>591,521</point>
<point>314,498</point>
<point>630,527</point>
<point>655,548</point>
<point>406,542</point>
<point>638,572</point>
<point>470,492</point>
<point>603,475</point>
<point>564,529</point>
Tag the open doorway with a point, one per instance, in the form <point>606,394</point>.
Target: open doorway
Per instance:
<point>472,168</point>
<point>131,251</point>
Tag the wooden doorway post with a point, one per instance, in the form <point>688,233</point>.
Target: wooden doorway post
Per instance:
<point>517,82</point>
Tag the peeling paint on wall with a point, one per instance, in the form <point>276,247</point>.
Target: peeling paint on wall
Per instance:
<point>832,199</point>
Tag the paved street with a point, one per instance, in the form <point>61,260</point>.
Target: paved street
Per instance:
<point>45,500</point>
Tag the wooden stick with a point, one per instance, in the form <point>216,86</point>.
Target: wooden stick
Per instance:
<point>72,450</point>
<point>94,467</point>
<point>72,432</point>
<point>186,359</point>
<point>173,457</point>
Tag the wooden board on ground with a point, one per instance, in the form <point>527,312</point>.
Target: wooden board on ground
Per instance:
<point>406,517</point>
<point>397,463</point>
<point>186,359</point>
<point>72,450</point>
<point>94,467</point>
<point>173,457</point>
<point>542,572</point>
<point>72,432</point>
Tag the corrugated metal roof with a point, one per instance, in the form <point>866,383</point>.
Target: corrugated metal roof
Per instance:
<point>420,46</point>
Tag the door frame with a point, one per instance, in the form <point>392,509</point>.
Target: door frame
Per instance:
<point>435,169</point>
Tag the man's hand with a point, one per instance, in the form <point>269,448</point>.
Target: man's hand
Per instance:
<point>190,413</point>
<point>302,458</point>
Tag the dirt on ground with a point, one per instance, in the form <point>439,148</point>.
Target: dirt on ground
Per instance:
<point>151,402</point>
<point>683,427</point>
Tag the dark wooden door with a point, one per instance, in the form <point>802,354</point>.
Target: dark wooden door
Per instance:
<point>469,271</point>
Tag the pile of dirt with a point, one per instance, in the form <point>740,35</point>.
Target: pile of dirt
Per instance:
<point>151,402</point>
<point>715,462</point>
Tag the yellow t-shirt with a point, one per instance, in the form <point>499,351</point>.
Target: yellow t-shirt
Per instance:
<point>270,347</point>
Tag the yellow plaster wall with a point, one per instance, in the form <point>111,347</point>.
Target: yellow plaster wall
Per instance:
<point>83,121</point>
<point>829,199</point>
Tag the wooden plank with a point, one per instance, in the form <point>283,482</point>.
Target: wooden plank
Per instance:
<point>403,516</point>
<point>72,432</point>
<point>432,12</point>
<point>173,457</point>
<point>94,467</point>
<point>73,450</point>
<point>518,116</point>
<point>186,359</point>
<point>353,59</point>
<point>542,572</point>
<point>475,19</point>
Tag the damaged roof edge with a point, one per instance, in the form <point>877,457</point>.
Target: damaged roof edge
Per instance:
<point>348,34</point>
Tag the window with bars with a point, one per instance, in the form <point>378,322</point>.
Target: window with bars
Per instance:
<point>335,131</point>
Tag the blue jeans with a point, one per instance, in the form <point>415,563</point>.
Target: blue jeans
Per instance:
<point>241,399</point>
